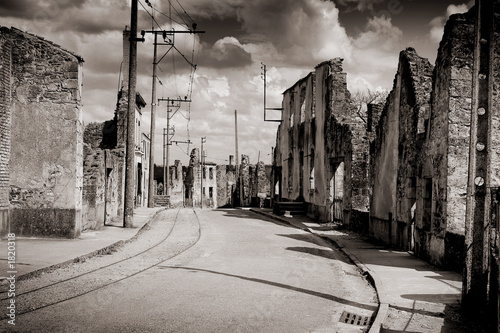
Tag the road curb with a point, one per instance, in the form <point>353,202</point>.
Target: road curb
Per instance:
<point>383,307</point>
<point>104,250</point>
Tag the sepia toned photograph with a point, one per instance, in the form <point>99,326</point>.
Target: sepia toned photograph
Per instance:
<point>250,166</point>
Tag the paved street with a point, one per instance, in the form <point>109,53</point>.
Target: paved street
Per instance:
<point>243,274</point>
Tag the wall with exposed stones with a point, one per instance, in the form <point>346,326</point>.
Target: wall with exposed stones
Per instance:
<point>226,185</point>
<point>103,178</point>
<point>176,180</point>
<point>443,182</point>
<point>46,157</point>
<point>5,120</point>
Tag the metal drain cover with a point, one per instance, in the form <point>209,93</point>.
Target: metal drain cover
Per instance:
<point>354,319</point>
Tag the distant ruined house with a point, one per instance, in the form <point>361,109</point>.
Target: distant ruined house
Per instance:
<point>41,141</point>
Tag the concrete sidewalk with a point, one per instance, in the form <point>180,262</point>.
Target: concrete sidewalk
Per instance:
<point>35,255</point>
<point>414,296</point>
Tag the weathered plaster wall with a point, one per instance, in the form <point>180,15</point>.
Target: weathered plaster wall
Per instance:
<point>5,120</point>
<point>396,151</point>
<point>46,138</point>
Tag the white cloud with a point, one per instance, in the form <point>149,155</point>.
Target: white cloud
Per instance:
<point>437,23</point>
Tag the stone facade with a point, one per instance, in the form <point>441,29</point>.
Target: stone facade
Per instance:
<point>322,145</point>
<point>41,94</point>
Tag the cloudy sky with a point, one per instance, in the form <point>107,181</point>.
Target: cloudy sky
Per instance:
<point>290,36</point>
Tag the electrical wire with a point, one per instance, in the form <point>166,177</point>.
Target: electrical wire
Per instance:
<point>187,25</point>
<point>158,24</point>
<point>169,17</point>
<point>185,11</point>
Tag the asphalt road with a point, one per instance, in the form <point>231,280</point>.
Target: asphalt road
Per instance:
<point>237,272</point>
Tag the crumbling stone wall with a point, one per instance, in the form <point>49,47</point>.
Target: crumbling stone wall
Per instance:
<point>5,120</point>
<point>192,180</point>
<point>46,160</point>
<point>396,150</point>
<point>321,154</point>
<point>176,179</point>
<point>446,152</point>
<point>226,185</point>
<point>103,178</point>
<point>348,145</point>
<point>94,190</point>
<point>260,183</point>
<point>245,182</point>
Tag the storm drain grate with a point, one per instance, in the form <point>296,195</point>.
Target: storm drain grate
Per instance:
<point>354,319</point>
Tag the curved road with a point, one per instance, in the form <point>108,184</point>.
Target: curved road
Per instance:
<point>244,274</point>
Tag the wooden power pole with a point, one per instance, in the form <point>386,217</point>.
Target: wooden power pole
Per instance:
<point>478,212</point>
<point>128,211</point>
<point>152,130</point>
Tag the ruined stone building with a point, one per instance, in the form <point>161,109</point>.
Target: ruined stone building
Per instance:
<point>260,184</point>
<point>221,185</point>
<point>177,189</point>
<point>196,176</point>
<point>104,159</point>
<point>41,164</point>
<point>421,154</point>
<point>321,155</point>
<point>226,184</point>
<point>397,149</point>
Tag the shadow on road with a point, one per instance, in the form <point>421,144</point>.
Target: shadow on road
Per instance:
<point>371,307</point>
<point>247,214</point>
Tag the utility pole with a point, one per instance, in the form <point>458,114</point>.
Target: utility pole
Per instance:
<point>203,140</point>
<point>238,180</point>
<point>152,131</point>
<point>128,211</point>
<point>166,168</point>
<point>168,39</point>
<point>478,211</point>
<point>171,102</point>
<point>164,160</point>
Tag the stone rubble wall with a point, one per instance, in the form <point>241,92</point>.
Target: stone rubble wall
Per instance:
<point>5,122</point>
<point>46,135</point>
